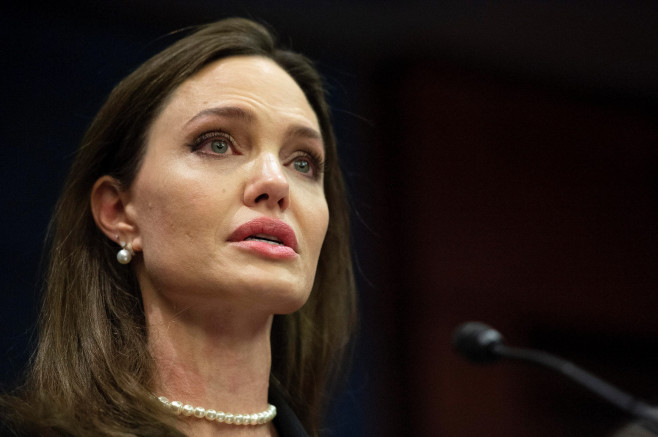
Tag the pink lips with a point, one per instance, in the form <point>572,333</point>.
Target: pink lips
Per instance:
<point>266,236</point>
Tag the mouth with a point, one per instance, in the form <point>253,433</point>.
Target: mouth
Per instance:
<point>267,230</point>
<point>270,239</point>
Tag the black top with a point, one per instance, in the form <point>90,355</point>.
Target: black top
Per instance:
<point>286,422</point>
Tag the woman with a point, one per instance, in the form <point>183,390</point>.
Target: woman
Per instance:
<point>199,253</point>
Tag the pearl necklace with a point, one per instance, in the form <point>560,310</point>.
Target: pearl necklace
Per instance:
<point>220,416</point>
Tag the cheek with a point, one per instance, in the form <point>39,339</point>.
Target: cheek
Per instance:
<point>173,213</point>
<point>316,231</point>
<point>179,221</point>
<point>318,222</point>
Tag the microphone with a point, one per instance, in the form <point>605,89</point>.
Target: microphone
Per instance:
<point>482,344</point>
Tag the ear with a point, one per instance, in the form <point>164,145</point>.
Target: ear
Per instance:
<point>108,206</point>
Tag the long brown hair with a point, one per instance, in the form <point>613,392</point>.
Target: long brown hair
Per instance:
<point>91,371</point>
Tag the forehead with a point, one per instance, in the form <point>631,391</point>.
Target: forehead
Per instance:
<point>253,81</point>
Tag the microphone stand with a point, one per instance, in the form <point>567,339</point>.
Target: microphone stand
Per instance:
<point>647,414</point>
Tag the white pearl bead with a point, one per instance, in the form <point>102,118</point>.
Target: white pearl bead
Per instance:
<point>188,410</point>
<point>177,407</point>
<point>124,256</point>
<point>236,419</point>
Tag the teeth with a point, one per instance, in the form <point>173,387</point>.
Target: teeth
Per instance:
<point>265,239</point>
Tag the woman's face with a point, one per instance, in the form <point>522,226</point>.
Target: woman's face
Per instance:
<point>229,199</point>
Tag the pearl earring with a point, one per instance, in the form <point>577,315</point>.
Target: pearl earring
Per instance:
<point>126,253</point>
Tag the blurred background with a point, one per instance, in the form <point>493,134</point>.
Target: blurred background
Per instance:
<point>502,162</point>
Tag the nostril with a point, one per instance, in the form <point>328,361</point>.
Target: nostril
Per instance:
<point>263,196</point>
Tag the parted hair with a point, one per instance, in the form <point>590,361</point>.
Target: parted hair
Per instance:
<point>92,372</point>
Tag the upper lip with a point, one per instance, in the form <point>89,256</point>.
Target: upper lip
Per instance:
<point>266,226</point>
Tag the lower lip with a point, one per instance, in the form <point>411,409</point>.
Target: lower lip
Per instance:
<point>266,249</point>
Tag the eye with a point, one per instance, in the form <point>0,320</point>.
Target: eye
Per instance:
<point>214,143</point>
<point>219,146</point>
<point>308,163</point>
<point>302,165</point>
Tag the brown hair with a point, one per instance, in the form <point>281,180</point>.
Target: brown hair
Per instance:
<point>91,370</point>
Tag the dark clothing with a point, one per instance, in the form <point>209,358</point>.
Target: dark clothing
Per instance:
<point>286,422</point>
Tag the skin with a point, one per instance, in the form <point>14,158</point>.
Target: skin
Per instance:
<point>209,303</point>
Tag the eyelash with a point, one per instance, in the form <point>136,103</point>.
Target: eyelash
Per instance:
<point>316,160</point>
<point>201,140</point>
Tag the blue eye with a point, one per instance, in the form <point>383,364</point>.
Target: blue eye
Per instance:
<point>219,146</point>
<point>214,143</point>
<point>308,162</point>
<point>302,166</point>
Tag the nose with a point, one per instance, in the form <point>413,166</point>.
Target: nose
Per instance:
<point>267,184</point>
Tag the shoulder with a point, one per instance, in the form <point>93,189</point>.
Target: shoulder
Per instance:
<point>7,430</point>
<point>24,430</point>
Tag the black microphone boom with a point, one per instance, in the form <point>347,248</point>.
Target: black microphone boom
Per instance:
<point>482,344</point>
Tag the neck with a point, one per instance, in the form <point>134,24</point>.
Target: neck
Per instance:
<point>211,357</point>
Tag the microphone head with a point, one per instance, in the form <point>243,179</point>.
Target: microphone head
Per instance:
<point>477,342</point>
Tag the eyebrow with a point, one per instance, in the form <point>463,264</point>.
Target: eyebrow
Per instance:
<point>225,111</point>
<point>247,116</point>
<point>303,131</point>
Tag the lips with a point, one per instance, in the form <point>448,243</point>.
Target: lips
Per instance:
<point>265,230</point>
